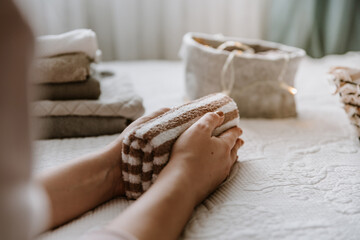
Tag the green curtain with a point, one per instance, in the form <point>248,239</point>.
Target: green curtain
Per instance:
<point>320,27</point>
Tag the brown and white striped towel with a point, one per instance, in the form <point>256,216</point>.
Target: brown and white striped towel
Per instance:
<point>147,148</point>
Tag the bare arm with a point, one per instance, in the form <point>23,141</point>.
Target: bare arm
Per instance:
<point>84,183</point>
<point>199,163</point>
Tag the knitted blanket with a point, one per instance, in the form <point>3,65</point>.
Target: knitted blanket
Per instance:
<point>146,150</point>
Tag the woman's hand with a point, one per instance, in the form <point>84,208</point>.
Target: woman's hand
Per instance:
<point>205,160</point>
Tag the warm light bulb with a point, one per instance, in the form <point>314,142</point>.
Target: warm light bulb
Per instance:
<point>292,90</point>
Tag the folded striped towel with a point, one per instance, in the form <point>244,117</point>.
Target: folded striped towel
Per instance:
<point>147,148</point>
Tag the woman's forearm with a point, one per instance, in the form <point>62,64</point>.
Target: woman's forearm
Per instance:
<point>89,181</point>
<point>162,212</point>
<point>81,185</point>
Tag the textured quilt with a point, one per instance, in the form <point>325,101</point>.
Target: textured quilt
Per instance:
<point>297,178</point>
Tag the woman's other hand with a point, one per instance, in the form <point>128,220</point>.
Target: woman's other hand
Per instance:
<point>205,160</point>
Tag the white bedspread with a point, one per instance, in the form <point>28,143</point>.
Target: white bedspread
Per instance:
<point>298,178</point>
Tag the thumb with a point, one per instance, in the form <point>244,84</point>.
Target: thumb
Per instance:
<point>209,122</point>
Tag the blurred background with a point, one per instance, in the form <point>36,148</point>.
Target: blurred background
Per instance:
<point>153,29</point>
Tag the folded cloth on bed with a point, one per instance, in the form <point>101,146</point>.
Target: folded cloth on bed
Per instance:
<point>73,67</point>
<point>79,40</point>
<point>89,89</point>
<point>147,148</point>
<point>70,126</point>
<point>117,99</point>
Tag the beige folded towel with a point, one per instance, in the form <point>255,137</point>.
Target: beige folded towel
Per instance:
<point>61,69</point>
<point>88,89</point>
<point>147,148</point>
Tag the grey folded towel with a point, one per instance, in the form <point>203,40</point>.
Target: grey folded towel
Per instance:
<point>73,67</point>
<point>75,126</point>
<point>89,89</point>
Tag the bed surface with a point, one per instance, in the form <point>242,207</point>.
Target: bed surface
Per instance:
<point>297,178</point>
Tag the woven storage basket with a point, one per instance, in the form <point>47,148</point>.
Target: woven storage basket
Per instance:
<point>262,83</point>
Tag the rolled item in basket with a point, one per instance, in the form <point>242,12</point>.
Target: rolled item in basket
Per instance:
<point>352,109</point>
<point>355,119</point>
<point>351,99</point>
<point>344,75</point>
<point>89,89</point>
<point>64,68</point>
<point>147,148</point>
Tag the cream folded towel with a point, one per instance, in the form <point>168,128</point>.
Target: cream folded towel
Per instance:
<point>79,40</point>
<point>147,148</point>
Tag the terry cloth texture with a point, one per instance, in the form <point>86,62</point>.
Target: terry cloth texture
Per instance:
<point>89,89</point>
<point>69,126</point>
<point>79,40</point>
<point>347,81</point>
<point>117,99</point>
<point>61,68</point>
<point>147,148</point>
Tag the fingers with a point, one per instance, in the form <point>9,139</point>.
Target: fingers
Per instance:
<point>230,136</point>
<point>239,142</point>
<point>209,122</point>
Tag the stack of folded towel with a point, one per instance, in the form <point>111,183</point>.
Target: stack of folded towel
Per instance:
<point>69,100</point>
<point>64,77</point>
<point>347,81</point>
<point>147,148</point>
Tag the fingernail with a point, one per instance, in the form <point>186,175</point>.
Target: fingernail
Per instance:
<point>220,113</point>
<point>241,142</point>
